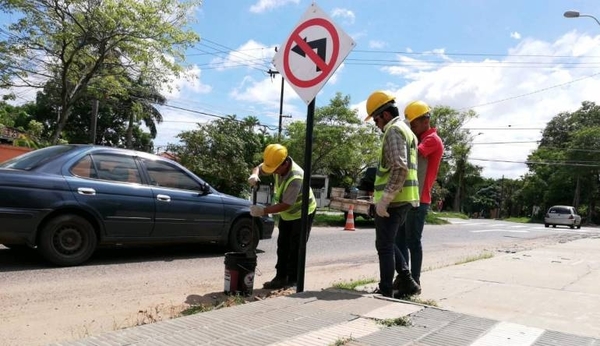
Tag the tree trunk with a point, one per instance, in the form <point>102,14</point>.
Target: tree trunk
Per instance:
<point>63,116</point>
<point>458,195</point>
<point>577,194</point>
<point>130,131</point>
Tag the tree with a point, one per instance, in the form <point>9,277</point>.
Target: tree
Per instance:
<point>342,145</point>
<point>566,159</point>
<point>455,170</point>
<point>93,44</point>
<point>222,152</point>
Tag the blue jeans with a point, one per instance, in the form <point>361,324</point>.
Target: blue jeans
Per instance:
<point>409,239</point>
<point>390,257</point>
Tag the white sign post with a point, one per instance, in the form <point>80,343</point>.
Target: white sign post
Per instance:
<point>311,54</point>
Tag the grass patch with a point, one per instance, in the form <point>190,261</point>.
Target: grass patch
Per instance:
<point>518,219</point>
<point>342,341</point>
<point>403,321</point>
<point>416,299</point>
<point>352,284</point>
<point>449,214</point>
<point>338,220</point>
<point>482,256</point>
<point>218,304</point>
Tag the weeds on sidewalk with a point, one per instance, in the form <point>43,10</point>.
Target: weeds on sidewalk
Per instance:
<point>403,321</point>
<point>482,256</point>
<point>352,284</point>
<point>217,304</point>
<point>218,301</point>
<point>416,299</point>
<point>342,341</point>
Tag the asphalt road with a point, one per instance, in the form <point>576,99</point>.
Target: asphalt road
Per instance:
<point>121,287</point>
<point>326,245</point>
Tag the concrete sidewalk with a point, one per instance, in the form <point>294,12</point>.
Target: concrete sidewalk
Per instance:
<point>546,296</point>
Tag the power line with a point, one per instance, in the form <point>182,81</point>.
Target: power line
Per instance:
<point>531,93</point>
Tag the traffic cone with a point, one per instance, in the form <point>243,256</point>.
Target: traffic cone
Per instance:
<point>350,219</point>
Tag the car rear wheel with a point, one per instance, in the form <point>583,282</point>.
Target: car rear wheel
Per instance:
<point>546,225</point>
<point>572,226</point>
<point>578,226</point>
<point>67,240</point>
<point>243,236</point>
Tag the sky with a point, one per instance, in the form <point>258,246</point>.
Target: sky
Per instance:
<point>516,63</point>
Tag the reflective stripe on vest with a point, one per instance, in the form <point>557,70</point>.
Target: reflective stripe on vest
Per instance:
<point>410,189</point>
<point>295,210</point>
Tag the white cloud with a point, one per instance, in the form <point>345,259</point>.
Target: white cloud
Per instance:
<point>343,13</point>
<point>265,93</point>
<point>515,95</point>
<point>251,54</point>
<point>188,82</point>
<point>266,5</point>
<point>515,35</point>
<point>375,44</point>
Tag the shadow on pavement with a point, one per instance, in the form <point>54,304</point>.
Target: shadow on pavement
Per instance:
<point>28,259</point>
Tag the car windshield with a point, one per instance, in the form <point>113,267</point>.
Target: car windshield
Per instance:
<point>35,158</point>
<point>560,210</point>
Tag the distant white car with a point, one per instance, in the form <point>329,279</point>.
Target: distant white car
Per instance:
<point>562,215</point>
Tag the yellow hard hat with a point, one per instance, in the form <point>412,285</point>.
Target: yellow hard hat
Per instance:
<point>273,157</point>
<point>416,109</point>
<point>377,101</point>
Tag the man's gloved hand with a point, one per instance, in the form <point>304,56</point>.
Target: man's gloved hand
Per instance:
<point>257,210</point>
<point>253,179</point>
<point>382,205</point>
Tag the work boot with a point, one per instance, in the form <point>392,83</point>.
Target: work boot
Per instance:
<point>406,285</point>
<point>277,283</point>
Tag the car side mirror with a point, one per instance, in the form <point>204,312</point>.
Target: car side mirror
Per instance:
<point>205,189</point>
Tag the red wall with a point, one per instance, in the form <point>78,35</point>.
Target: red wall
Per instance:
<point>9,151</point>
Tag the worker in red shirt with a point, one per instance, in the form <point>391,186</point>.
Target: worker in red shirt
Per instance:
<point>430,152</point>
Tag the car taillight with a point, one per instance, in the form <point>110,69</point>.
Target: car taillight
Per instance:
<point>571,217</point>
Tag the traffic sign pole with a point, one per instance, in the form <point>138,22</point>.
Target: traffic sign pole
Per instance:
<point>310,115</point>
<point>307,72</point>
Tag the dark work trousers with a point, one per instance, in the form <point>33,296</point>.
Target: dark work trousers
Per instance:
<point>390,257</point>
<point>409,237</point>
<point>288,247</point>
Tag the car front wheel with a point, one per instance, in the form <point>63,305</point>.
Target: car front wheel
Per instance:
<point>546,225</point>
<point>243,236</point>
<point>67,240</point>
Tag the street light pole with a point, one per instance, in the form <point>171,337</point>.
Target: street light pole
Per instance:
<point>576,14</point>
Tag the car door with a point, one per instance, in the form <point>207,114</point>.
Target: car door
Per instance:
<point>183,209</point>
<point>109,184</point>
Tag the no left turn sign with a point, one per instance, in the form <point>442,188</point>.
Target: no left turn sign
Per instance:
<point>312,53</point>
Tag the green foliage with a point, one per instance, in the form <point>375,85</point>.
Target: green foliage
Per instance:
<point>222,152</point>
<point>565,165</point>
<point>93,45</point>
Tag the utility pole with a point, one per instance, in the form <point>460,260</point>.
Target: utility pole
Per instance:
<point>281,116</point>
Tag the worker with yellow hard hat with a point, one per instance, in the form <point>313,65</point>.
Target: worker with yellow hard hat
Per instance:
<point>287,202</point>
<point>396,191</point>
<point>430,151</point>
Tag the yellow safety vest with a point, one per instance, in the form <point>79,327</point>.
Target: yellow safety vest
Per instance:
<point>295,211</point>
<point>410,189</point>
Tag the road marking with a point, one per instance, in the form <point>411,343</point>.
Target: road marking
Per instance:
<point>509,334</point>
<point>499,230</point>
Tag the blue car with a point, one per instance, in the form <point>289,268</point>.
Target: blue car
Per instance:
<point>65,200</point>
